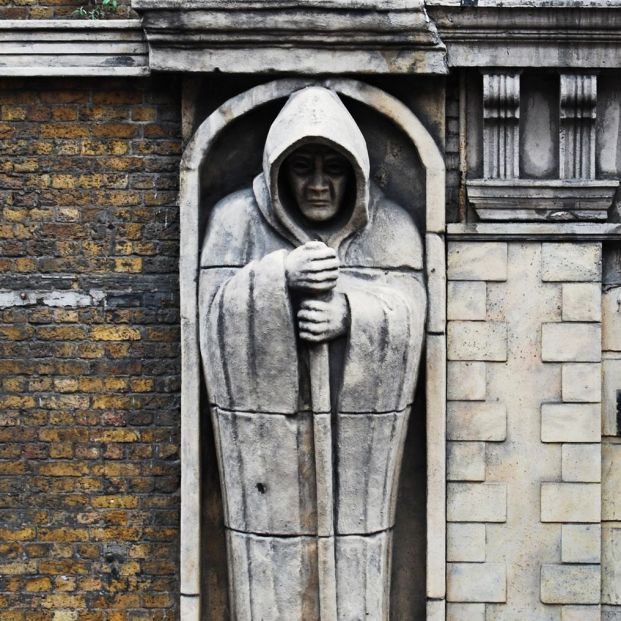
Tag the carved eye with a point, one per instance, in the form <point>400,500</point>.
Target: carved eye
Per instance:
<point>335,166</point>
<point>301,165</point>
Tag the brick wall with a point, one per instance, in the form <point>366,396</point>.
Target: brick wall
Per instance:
<point>89,364</point>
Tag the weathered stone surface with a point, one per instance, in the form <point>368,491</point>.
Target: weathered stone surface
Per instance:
<point>611,370</point>
<point>571,342</point>
<point>477,340</point>
<point>611,319</point>
<point>582,463</point>
<point>465,612</point>
<point>581,613</point>
<point>545,200</point>
<point>477,502</point>
<point>436,610</point>
<point>571,502</point>
<point>611,481</point>
<point>435,265</point>
<point>465,461</point>
<point>581,543</point>
<point>570,584</point>
<point>466,300</point>
<point>477,261</point>
<point>570,422</point>
<point>465,542</point>
<point>611,564</point>
<point>476,582</point>
<point>466,381</point>
<point>582,302</point>
<point>571,262</point>
<point>476,420</point>
<point>582,382</point>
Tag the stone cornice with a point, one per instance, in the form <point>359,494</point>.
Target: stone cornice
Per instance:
<point>522,35</point>
<point>72,48</point>
<point>309,36</point>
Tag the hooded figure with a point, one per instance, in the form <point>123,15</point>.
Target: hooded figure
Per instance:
<point>256,331</point>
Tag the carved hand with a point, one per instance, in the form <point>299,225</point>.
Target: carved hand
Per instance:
<point>313,267</point>
<point>322,320</point>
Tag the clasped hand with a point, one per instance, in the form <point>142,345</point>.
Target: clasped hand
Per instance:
<point>313,270</point>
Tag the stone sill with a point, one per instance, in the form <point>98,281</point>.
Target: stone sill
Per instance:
<point>580,231</point>
<point>555,200</point>
<point>67,47</point>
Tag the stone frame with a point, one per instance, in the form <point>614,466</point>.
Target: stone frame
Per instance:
<point>433,161</point>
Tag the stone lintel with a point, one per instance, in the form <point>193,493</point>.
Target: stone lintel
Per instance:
<point>314,36</point>
<point>63,47</point>
<point>518,34</point>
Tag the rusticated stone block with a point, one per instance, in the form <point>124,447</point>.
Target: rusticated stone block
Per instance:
<point>571,262</point>
<point>581,613</point>
<point>611,564</point>
<point>611,482</point>
<point>582,382</point>
<point>570,422</point>
<point>476,502</point>
<point>611,368</point>
<point>581,543</point>
<point>476,420</point>
<point>571,502</point>
<point>476,582</point>
<point>465,542</point>
<point>465,461</point>
<point>465,612</point>
<point>582,463</point>
<point>611,319</point>
<point>582,302</point>
<point>477,261</point>
<point>571,342</point>
<point>466,300</point>
<point>477,340</point>
<point>466,381</point>
<point>570,584</point>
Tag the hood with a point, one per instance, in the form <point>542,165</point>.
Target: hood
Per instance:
<point>313,115</point>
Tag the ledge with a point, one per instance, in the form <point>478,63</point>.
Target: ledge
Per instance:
<point>569,34</point>
<point>582,231</point>
<point>554,200</point>
<point>64,47</point>
<point>304,36</point>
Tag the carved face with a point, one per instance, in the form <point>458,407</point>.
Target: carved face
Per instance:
<point>317,177</point>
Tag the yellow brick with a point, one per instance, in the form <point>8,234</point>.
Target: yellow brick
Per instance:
<point>141,384</point>
<point>66,384</point>
<point>63,600</point>
<point>128,264</point>
<point>115,502</point>
<point>115,435</point>
<point>25,265</point>
<point>36,585</point>
<point>115,333</point>
<point>23,534</point>
<point>64,182</point>
<point>63,469</point>
<point>14,215</point>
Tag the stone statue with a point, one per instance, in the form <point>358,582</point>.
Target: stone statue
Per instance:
<point>312,313</point>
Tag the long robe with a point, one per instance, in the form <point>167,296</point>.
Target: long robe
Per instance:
<point>256,371</point>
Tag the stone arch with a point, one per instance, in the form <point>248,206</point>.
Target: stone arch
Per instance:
<point>196,152</point>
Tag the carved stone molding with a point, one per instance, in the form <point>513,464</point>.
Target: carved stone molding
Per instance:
<point>314,36</point>
<point>519,34</point>
<point>501,131</point>
<point>550,200</point>
<point>578,111</point>
<point>72,48</point>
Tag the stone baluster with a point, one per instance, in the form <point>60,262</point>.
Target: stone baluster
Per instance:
<point>501,131</point>
<point>578,105</point>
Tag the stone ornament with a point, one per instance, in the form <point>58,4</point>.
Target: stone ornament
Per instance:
<point>312,310</point>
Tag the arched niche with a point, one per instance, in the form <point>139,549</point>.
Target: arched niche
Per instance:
<point>224,155</point>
